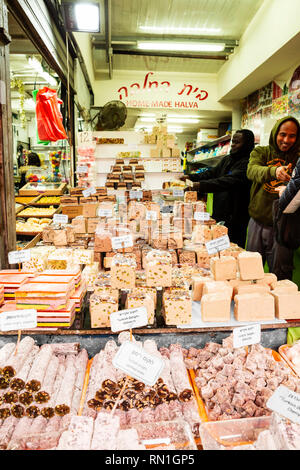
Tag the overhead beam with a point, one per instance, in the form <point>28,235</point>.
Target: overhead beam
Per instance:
<point>108,47</point>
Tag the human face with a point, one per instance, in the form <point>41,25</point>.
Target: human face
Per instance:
<point>237,142</point>
<point>287,136</point>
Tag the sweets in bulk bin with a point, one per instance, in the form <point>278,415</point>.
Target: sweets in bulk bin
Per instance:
<point>250,265</point>
<point>177,307</point>
<point>190,196</point>
<point>218,231</point>
<point>79,224</point>
<point>287,305</point>
<point>212,286</point>
<point>223,268</point>
<point>102,240</point>
<point>253,307</point>
<point>135,300</point>
<point>215,307</point>
<point>158,269</point>
<point>285,285</point>
<point>122,273</point>
<point>101,307</point>
<point>201,234</point>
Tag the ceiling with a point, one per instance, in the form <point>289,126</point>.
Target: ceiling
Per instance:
<point>125,22</point>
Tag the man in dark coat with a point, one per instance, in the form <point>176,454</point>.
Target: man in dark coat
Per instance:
<point>230,186</point>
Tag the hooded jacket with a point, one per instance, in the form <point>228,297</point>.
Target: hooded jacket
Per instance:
<point>231,187</point>
<point>264,160</point>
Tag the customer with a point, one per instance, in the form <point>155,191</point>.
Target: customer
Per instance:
<point>269,167</point>
<point>32,163</point>
<point>230,186</point>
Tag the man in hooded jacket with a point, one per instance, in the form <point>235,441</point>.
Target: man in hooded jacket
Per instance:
<point>229,184</point>
<point>269,168</point>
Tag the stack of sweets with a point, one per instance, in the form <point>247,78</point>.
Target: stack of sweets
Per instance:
<point>11,281</point>
<point>122,273</point>
<point>177,306</point>
<point>158,269</point>
<point>51,301</point>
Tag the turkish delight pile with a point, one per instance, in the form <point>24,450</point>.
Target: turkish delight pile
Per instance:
<point>169,399</point>
<point>40,389</point>
<point>234,383</point>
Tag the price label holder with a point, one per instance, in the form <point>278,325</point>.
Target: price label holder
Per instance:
<point>178,192</point>
<point>217,245</point>
<point>128,319</point>
<point>104,212</point>
<point>202,216</point>
<point>82,170</point>
<point>286,403</point>
<point>151,215</point>
<point>246,335</point>
<point>18,320</point>
<point>18,257</point>
<point>85,137</point>
<point>124,241</point>
<point>136,194</point>
<point>137,363</point>
<point>89,192</point>
<point>62,219</point>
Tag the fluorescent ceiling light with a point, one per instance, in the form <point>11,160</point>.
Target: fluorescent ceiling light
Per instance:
<point>37,66</point>
<point>171,120</point>
<point>177,30</point>
<point>87,16</point>
<point>180,46</point>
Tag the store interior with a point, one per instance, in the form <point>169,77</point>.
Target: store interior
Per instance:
<point>111,118</point>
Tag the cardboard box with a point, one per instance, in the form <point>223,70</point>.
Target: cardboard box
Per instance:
<point>71,210</point>
<point>90,209</point>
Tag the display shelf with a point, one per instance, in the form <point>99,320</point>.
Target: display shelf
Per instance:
<point>213,143</point>
<point>209,161</point>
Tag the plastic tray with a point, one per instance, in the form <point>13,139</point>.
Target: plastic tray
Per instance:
<point>225,435</point>
<point>282,351</point>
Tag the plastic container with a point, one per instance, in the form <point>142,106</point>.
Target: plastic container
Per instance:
<point>225,435</point>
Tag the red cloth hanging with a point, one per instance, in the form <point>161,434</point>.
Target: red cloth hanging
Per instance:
<point>48,116</point>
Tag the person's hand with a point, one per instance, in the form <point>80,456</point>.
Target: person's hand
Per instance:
<point>280,190</point>
<point>281,173</point>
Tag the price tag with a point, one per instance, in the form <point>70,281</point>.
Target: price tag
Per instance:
<point>18,257</point>
<point>60,219</point>
<point>286,403</point>
<point>18,320</point>
<point>246,335</point>
<point>178,192</point>
<point>104,213</point>
<point>151,215</point>
<point>121,242</point>
<point>136,194</point>
<point>127,319</point>
<point>85,137</point>
<point>82,170</point>
<point>218,244</point>
<point>137,363</point>
<point>202,216</point>
<point>88,192</point>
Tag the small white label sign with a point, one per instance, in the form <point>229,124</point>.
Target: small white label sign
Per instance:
<point>178,192</point>
<point>60,219</point>
<point>85,137</point>
<point>218,244</point>
<point>202,216</point>
<point>18,257</point>
<point>82,170</point>
<point>18,320</point>
<point>88,192</point>
<point>136,194</point>
<point>137,363</point>
<point>286,403</point>
<point>151,215</point>
<point>121,242</point>
<point>246,335</point>
<point>127,319</point>
<point>104,213</point>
